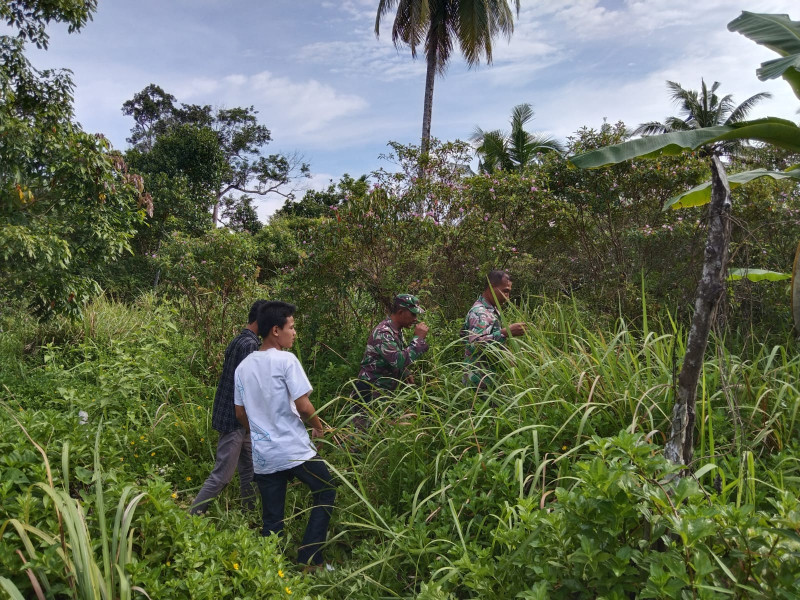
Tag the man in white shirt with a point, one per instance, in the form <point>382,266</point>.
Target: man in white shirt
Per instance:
<point>272,400</point>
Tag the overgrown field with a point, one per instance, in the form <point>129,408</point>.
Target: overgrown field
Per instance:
<point>552,485</point>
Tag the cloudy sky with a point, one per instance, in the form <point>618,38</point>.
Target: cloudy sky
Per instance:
<point>328,89</point>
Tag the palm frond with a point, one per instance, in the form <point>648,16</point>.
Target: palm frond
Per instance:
<point>476,137</point>
<point>651,128</point>
<point>472,26</point>
<point>678,124</point>
<point>521,114</point>
<point>384,7</point>
<point>493,151</point>
<point>740,112</point>
<point>541,143</point>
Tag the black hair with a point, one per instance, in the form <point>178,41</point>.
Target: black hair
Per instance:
<point>397,304</point>
<point>274,313</point>
<point>254,310</point>
<point>496,277</point>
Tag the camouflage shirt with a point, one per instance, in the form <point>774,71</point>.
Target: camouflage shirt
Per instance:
<point>481,327</point>
<point>386,359</point>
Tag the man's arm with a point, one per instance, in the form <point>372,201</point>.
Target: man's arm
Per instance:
<point>309,415</point>
<point>400,358</point>
<point>479,330</point>
<point>241,416</point>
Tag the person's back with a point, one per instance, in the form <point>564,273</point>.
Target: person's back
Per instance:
<point>233,446</point>
<point>269,381</point>
<point>272,403</point>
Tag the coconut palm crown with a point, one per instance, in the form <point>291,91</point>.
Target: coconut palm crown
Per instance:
<point>703,108</point>
<point>498,150</point>
<point>439,25</point>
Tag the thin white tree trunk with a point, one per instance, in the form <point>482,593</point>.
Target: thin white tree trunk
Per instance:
<point>215,213</point>
<point>680,446</point>
<point>430,78</point>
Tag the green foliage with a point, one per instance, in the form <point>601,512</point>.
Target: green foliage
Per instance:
<point>778,33</point>
<point>529,490</point>
<point>30,18</point>
<point>701,194</point>
<point>515,150</point>
<point>220,152</point>
<point>771,130</point>
<point>472,24</point>
<point>703,108</point>
<point>214,278</point>
<point>240,214</point>
<point>68,204</point>
<point>318,203</point>
<point>558,229</point>
<point>756,275</point>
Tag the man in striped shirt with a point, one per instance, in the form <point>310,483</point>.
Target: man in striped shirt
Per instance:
<point>234,447</point>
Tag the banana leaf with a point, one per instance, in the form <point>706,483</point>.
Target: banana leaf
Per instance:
<point>756,275</point>
<point>701,194</point>
<point>778,33</point>
<point>771,130</point>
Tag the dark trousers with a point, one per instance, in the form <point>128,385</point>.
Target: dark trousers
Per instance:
<point>315,475</point>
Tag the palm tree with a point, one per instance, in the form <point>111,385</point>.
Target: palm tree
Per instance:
<point>440,23</point>
<point>515,150</point>
<point>703,109</point>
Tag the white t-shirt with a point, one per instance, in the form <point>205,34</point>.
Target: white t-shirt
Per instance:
<point>267,383</point>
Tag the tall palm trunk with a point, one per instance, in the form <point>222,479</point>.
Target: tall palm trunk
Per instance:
<point>680,446</point>
<point>427,111</point>
<point>215,214</point>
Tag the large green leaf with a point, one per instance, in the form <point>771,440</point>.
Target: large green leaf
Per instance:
<point>771,130</point>
<point>756,275</point>
<point>778,33</point>
<point>701,194</point>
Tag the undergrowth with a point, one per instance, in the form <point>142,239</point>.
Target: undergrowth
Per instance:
<point>551,484</point>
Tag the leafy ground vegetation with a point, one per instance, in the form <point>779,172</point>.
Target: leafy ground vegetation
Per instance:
<point>552,484</point>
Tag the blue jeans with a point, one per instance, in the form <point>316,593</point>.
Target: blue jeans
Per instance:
<point>315,475</point>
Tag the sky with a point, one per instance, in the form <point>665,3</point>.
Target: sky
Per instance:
<point>331,91</point>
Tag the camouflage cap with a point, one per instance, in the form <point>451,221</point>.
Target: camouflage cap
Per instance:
<point>410,302</point>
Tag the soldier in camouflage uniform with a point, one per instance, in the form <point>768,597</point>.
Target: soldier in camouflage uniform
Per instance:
<point>387,358</point>
<point>483,327</point>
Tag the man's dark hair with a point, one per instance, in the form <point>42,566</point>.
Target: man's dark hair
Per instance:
<point>397,304</point>
<point>274,313</point>
<point>497,276</point>
<point>254,310</point>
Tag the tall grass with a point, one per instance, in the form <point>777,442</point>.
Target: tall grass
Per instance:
<point>443,460</point>
<point>89,576</point>
<point>435,493</point>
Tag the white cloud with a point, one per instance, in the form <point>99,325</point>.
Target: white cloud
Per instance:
<point>195,88</point>
<point>645,98</point>
<point>365,57</point>
<point>309,105</point>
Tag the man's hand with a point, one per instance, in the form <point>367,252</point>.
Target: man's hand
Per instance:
<point>420,330</point>
<point>516,329</point>
<point>317,434</point>
<point>241,416</point>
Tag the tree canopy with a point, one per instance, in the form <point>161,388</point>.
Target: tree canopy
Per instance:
<point>68,203</point>
<point>239,162</point>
